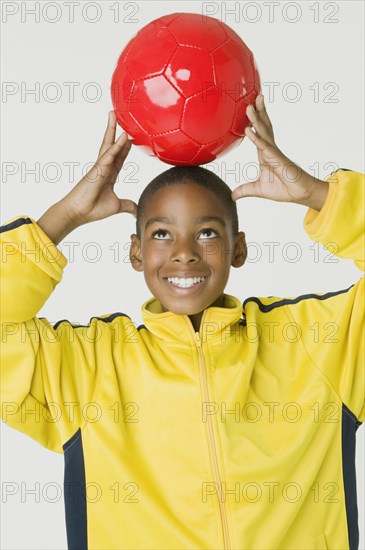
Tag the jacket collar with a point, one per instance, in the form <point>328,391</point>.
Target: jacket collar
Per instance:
<point>216,324</point>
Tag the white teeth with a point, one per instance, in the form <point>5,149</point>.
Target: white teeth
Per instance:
<point>185,282</point>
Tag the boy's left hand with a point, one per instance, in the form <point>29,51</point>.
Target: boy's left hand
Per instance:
<point>280,179</point>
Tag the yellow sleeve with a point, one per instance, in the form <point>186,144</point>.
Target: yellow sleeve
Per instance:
<point>341,219</point>
<point>333,323</point>
<point>48,374</point>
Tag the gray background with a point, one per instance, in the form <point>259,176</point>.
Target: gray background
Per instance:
<point>312,50</point>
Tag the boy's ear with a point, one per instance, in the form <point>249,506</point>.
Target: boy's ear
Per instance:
<point>135,253</point>
<point>240,250</point>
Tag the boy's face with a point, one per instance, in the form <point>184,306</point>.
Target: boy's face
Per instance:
<point>186,248</point>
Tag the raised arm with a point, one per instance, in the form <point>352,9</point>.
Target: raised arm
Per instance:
<point>49,373</point>
<point>331,324</point>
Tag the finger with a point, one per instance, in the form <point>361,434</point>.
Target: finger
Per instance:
<point>256,123</point>
<point>121,156</point>
<point>120,148</point>
<point>251,189</point>
<point>263,145</point>
<point>102,165</point>
<point>262,129</point>
<point>255,137</point>
<point>262,112</point>
<point>109,136</point>
<point>266,151</point>
<point>260,121</point>
<point>129,206</point>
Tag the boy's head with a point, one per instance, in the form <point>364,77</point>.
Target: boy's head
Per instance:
<point>187,238</point>
<point>189,174</point>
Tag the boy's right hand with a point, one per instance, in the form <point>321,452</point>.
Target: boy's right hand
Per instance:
<point>94,198</point>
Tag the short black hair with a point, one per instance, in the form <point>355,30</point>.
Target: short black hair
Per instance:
<point>189,174</point>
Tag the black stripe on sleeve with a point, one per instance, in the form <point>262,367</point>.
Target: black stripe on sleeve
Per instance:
<point>349,426</point>
<point>75,493</point>
<point>15,224</point>
<point>108,319</point>
<point>287,301</point>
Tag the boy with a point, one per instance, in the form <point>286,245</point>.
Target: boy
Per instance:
<point>208,435</point>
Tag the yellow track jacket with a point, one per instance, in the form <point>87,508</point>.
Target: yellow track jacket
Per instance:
<point>240,436</point>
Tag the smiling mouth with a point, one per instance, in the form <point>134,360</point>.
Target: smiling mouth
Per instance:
<point>185,282</point>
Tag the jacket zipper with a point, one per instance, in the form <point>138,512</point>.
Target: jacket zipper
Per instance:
<point>212,448</point>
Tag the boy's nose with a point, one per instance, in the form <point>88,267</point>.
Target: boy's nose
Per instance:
<point>185,252</point>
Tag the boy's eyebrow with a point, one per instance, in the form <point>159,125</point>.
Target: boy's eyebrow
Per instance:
<point>158,219</point>
<point>203,219</point>
<point>169,221</point>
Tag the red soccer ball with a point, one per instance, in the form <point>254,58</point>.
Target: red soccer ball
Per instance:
<point>181,88</point>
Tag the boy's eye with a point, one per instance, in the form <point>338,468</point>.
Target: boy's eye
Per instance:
<point>209,233</point>
<point>160,234</point>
